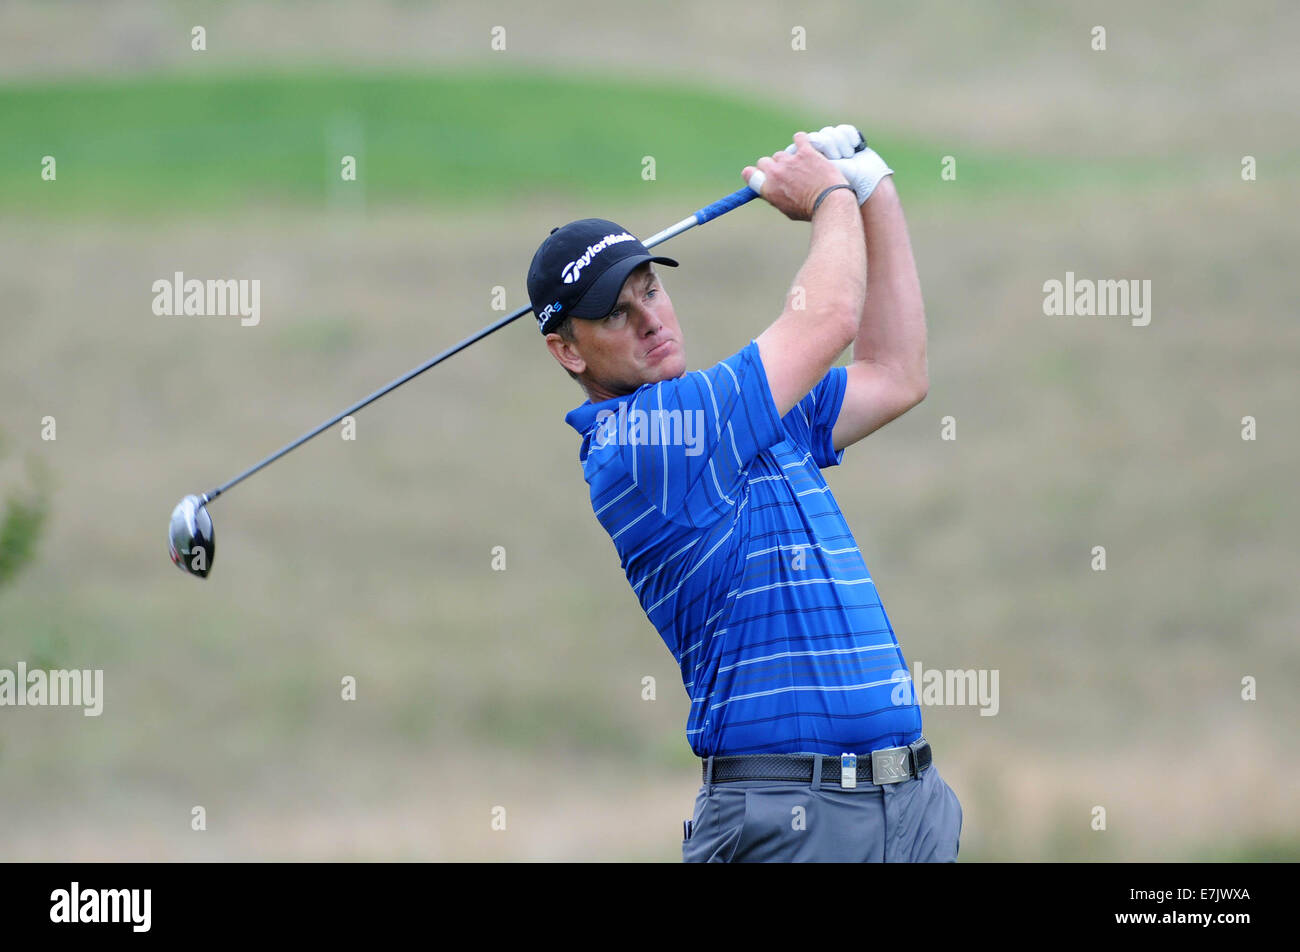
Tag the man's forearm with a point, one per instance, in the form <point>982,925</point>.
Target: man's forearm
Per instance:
<point>892,332</point>
<point>834,273</point>
<point>824,306</point>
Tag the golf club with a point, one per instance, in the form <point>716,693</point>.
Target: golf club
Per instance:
<point>190,537</point>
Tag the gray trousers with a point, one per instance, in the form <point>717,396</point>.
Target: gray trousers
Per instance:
<point>777,821</point>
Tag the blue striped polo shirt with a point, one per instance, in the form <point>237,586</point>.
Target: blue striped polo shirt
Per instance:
<point>743,562</point>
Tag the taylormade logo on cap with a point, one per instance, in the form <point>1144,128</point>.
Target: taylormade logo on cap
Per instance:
<point>573,270</point>
<point>578,270</point>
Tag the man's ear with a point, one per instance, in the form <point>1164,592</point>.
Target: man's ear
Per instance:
<point>566,352</point>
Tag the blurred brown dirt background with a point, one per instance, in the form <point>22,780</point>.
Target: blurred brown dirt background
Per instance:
<point>522,688</point>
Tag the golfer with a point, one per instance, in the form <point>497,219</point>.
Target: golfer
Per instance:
<point>709,484</point>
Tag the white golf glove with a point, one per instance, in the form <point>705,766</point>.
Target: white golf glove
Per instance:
<point>845,146</point>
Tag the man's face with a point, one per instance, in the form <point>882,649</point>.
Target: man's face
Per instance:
<point>639,342</point>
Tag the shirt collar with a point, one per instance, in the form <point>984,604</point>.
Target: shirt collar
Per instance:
<point>582,418</point>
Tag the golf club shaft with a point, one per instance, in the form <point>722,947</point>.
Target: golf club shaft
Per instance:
<point>705,214</point>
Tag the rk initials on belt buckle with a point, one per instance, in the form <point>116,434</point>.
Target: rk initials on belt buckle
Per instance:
<point>889,765</point>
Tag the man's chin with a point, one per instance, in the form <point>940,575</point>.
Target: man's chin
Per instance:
<point>667,370</point>
<point>670,368</point>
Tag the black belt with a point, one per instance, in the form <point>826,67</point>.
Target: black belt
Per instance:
<point>887,765</point>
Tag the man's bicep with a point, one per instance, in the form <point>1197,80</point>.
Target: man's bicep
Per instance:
<point>794,362</point>
<point>874,394</point>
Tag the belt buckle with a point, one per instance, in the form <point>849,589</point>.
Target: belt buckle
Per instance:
<point>890,765</point>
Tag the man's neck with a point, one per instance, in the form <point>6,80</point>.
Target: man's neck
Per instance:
<point>600,395</point>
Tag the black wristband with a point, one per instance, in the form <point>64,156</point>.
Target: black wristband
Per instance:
<point>826,191</point>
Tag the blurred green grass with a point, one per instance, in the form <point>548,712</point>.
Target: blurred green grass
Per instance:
<point>175,145</point>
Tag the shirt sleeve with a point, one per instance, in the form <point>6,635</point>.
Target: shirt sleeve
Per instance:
<point>810,422</point>
<point>687,443</point>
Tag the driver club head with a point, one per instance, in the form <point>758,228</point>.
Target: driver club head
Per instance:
<point>189,536</point>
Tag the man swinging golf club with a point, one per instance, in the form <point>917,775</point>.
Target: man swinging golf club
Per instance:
<point>709,484</point>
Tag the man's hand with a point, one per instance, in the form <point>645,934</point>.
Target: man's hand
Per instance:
<point>838,142</point>
<point>845,146</point>
<point>792,180</point>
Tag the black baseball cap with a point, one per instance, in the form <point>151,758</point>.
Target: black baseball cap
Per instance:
<point>579,270</point>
